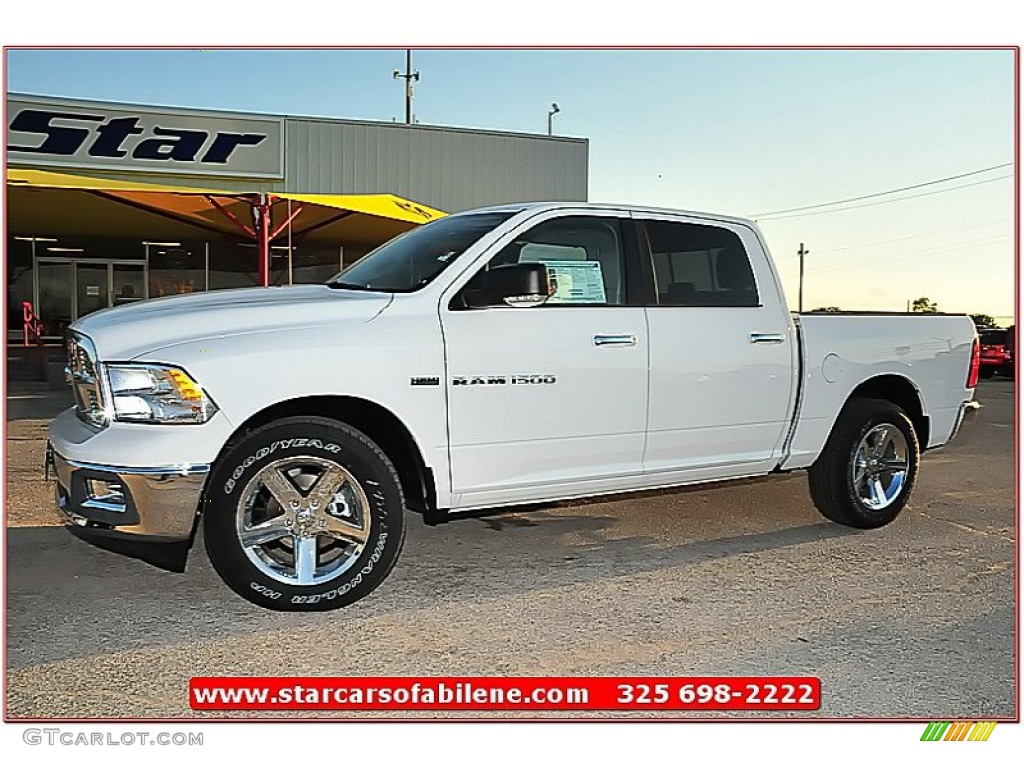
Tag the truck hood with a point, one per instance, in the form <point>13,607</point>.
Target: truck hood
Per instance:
<point>125,333</point>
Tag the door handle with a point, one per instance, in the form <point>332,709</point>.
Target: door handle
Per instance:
<point>615,340</point>
<point>767,338</point>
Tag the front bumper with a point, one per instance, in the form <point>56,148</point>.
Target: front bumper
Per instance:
<point>145,512</point>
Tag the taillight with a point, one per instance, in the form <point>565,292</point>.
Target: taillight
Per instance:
<point>972,373</point>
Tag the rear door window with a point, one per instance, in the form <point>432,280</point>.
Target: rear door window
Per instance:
<point>699,265</point>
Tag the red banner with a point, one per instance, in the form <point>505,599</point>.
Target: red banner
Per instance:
<point>504,694</point>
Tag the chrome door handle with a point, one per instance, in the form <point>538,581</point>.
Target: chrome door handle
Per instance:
<point>767,338</point>
<point>615,340</point>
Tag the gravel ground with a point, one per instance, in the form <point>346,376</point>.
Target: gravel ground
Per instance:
<point>913,620</point>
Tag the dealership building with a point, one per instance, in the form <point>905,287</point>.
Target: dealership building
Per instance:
<point>111,203</point>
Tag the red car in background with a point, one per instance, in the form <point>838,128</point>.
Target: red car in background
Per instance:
<point>996,351</point>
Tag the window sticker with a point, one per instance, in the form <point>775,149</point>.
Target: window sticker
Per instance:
<point>576,282</point>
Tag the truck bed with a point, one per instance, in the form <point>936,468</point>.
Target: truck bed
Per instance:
<point>839,350</point>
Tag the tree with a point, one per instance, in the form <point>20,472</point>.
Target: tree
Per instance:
<point>827,309</point>
<point>983,321</point>
<point>924,304</point>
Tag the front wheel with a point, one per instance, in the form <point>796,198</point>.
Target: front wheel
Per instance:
<point>867,469</point>
<point>304,514</point>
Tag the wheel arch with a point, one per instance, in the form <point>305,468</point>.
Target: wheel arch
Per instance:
<point>373,420</point>
<point>900,391</point>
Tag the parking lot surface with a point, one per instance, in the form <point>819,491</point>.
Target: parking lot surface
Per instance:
<point>913,620</point>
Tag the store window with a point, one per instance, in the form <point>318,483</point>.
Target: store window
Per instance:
<point>19,279</point>
<point>176,267</point>
<point>311,264</point>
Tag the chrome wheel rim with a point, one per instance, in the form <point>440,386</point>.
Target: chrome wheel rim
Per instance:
<point>880,466</point>
<point>303,520</point>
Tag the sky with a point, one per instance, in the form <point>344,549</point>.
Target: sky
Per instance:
<point>741,132</point>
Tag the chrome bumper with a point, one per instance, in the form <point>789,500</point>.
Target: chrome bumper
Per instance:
<point>159,503</point>
<point>966,419</point>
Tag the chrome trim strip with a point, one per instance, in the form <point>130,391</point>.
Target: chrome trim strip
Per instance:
<point>182,469</point>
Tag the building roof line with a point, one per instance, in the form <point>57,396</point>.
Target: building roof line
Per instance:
<point>99,103</point>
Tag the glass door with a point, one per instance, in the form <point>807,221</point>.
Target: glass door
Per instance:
<point>67,289</point>
<point>53,297</point>
<point>92,286</point>
<point>129,283</point>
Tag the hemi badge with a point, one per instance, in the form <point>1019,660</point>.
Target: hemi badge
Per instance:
<point>426,381</point>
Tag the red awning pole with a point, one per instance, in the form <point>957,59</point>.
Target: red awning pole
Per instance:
<point>264,234</point>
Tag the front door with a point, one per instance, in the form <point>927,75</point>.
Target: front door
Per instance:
<point>551,400</point>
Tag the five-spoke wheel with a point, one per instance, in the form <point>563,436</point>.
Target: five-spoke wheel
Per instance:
<point>305,513</point>
<point>865,473</point>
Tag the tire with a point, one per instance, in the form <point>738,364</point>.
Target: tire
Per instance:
<point>307,547</point>
<point>841,479</point>
<point>986,373</point>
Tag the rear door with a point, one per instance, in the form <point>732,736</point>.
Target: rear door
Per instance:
<point>550,401</point>
<point>722,375</point>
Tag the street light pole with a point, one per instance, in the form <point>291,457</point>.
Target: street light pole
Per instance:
<point>555,109</point>
<point>409,76</point>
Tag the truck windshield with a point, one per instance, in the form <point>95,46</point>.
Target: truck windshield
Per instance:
<point>413,259</point>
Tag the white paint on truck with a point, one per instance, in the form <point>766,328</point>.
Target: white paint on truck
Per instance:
<point>654,349</point>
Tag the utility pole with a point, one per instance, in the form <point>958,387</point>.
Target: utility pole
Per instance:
<point>801,253</point>
<point>409,76</point>
<point>555,109</point>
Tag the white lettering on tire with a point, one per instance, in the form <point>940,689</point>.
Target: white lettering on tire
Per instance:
<point>262,453</point>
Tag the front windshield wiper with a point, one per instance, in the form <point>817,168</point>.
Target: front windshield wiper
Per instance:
<point>354,286</point>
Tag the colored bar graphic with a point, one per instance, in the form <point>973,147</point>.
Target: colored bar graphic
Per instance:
<point>962,730</point>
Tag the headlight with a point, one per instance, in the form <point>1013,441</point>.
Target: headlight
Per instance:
<point>157,394</point>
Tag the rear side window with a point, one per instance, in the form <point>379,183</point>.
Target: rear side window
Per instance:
<point>696,265</point>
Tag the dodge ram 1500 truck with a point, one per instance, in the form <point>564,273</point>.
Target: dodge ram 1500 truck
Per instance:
<point>511,355</point>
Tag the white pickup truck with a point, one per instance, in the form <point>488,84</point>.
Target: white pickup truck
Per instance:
<point>511,355</point>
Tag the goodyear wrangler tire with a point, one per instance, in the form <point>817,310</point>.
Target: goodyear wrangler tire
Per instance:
<point>304,514</point>
<point>864,475</point>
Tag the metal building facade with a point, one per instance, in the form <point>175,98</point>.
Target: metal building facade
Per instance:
<point>452,169</point>
<point>448,168</point>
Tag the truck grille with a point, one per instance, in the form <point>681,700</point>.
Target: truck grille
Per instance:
<point>84,374</point>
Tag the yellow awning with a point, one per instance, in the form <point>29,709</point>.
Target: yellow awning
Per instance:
<point>31,177</point>
<point>387,206</point>
<point>369,219</point>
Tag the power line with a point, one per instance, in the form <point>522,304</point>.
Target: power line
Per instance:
<point>915,237</point>
<point>893,200</point>
<point>887,192</point>
<point>915,254</point>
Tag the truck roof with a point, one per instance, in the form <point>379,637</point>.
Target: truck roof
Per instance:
<point>642,209</point>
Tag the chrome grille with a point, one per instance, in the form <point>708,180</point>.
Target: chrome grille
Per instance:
<point>84,374</point>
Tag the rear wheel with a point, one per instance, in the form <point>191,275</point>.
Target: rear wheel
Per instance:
<point>867,470</point>
<point>304,514</point>
<point>986,372</point>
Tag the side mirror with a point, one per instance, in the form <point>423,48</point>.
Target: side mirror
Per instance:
<point>510,285</point>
